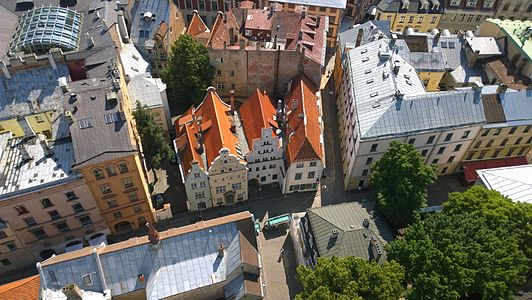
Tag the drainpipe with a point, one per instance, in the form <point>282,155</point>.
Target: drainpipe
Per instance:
<point>99,264</point>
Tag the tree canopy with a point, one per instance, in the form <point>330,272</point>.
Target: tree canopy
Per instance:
<point>154,145</point>
<point>188,73</point>
<point>459,256</point>
<point>400,180</point>
<point>351,278</point>
<point>499,211</point>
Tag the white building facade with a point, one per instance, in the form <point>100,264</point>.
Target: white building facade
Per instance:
<point>302,176</point>
<point>265,161</point>
<point>197,188</point>
<point>228,177</point>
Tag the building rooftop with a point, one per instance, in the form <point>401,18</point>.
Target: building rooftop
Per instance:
<point>257,112</point>
<point>513,182</point>
<point>319,3</point>
<point>97,116</point>
<point>303,133</point>
<point>371,31</point>
<point>9,23</point>
<point>146,90</point>
<point>513,104</point>
<point>27,288</point>
<point>505,74</point>
<point>518,32</point>
<point>185,259</point>
<point>484,45</point>
<point>353,237</point>
<point>27,164</point>
<point>30,91</point>
<point>197,28</point>
<point>47,27</point>
<point>146,16</point>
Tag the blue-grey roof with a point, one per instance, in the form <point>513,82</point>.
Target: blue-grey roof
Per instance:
<point>323,3</point>
<point>371,31</point>
<point>517,106</point>
<point>430,111</point>
<point>424,61</point>
<point>32,90</point>
<point>146,17</point>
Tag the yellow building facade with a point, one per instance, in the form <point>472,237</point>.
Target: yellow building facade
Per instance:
<point>39,123</point>
<point>431,80</point>
<point>403,14</point>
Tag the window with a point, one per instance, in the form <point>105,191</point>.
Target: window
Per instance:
<point>466,134</point>
<point>424,153</point>
<point>457,147</point>
<point>448,137</point>
<point>87,280</point>
<point>54,215</point>
<point>365,172</point>
<point>521,152</point>
<point>132,196</point>
<point>455,2</point>
<point>497,131</point>
<point>486,132</point>
<point>373,148</point>
<point>220,189</point>
<point>401,19</point>
<point>369,160</point>
<point>71,196</point>
<point>411,19</point>
<point>46,203</point>
<point>112,203</point>
<point>477,144</point>
<point>219,72</point>
<point>298,176</point>
<point>529,140</point>
<point>444,170</point>
<point>441,150</point>
<point>202,4</point>
<point>137,209</point>
<point>226,6</point>
<point>98,174</point>
<point>236,186</point>
<point>78,208</point>
<point>311,174</point>
<point>105,188</point>
<point>39,234</point>
<point>504,142</point>
<point>518,141</point>
<point>110,171</point>
<point>411,141</point>
<point>361,183</point>
<point>527,129</point>
<point>3,235</point>
<point>488,4</point>
<point>511,151</point>
<point>62,227</point>
<point>117,215</point>
<point>420,19</point>
<point>490,142</point>
<point>30,221</point>
<point>193,186</point>
<point>323,9</point>
<point>435,161</point>
<point>430,140</point>
<point>433,19</point>
<point>85,220</point>
<point>517,7</point>
<point>214,5</point>
<point>6,262</point>
<point>512,130</point>
<point>122,167</point>
<point>11,246</point>
<point>300,165</point>
<point>220,85</point>
<point>128,183</point>
<point>451,158</point>
<point>471,3</point>
<point>199,195</point>
<point>21,209</point>
<point>482,154</point>
<point>313,164</point>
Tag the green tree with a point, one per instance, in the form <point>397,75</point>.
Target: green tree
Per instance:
<point>154,145</point>
<point>400,180</point>
<point>500,212</point>
<point>351,278</point>
<point>459,256</point>
<point>188,73</point>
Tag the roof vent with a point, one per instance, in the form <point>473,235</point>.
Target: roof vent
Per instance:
<point>221,250</point>
<point>384,55</point>
<point>335,233</point>
<point>365,223</point>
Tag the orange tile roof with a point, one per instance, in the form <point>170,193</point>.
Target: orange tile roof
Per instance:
<point>220,29</point>
<point>257,112</point>
<point>303,130</point>
<point>215,123</point>
<point>196,26</point>
<point>24,289</point>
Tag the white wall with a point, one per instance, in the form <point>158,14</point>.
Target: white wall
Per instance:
<point>303,169</point>
<point>197,188</point>
<point>228,179</point>
<point>265,161</point>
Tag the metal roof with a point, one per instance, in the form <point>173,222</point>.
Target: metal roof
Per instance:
<point>484,45</point>
<point>425,61</point>
<point>320,3</point>
<point>353,238</point>
<point>517,106</point>
<point>371,31</point>
<point>513,182</point>
<point>146,16</point>
<point>146,90</point>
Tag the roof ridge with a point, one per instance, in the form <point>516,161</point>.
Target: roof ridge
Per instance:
<point>217,116</point>
<point>264,122</point>
<point>489,172</point>
<point>215,27</point>
<point>15,284</point>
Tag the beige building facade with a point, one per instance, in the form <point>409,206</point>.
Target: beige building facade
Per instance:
<point>463,15</point>
<point>228,179</point>
<point>514,10</point>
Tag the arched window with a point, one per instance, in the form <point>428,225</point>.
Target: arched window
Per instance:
<point>122,166</point>
<point>111,171</point>
<point>98,173</point>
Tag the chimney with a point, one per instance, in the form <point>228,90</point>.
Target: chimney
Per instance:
<point>221,250</point>
<point>72,292</point>
<point>473,58</point>
<point>117,5</point>
<point>153,235</point>
<point>232,101</point>
<point>502,88</point>
<point>359,37</point>
<point>396,69</point>
<point>303,15</point>
<point>335,233</point>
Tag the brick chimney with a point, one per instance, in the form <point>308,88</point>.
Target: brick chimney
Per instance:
<point>153,235</point>
<point>232,101</point>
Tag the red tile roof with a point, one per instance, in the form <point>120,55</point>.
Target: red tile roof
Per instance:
<point>24,289</point>
<point>257,112</point>
<point>220,29</point>
<point>258,19</point>
<point>212,118</point>
<point>303,130</point>
<point>470,168</point>
<point>197,27</point>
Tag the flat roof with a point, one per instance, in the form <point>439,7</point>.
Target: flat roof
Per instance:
<point>18,175</point>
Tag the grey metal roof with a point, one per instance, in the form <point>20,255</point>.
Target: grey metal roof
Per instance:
<point>514,182</point>
<point>484,45</point>
<point>371,31</point>
<point>517,106</point>
<point>146,90</point>
<point>430,111</point>
<point>353,238</point>
<point>146,16</point>
<point>425,61</point>
<point>323,3</point>
<point>33,90</point>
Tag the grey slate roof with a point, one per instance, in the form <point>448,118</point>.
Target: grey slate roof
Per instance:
<point>354,238</point>
<point>323,3</point>
<point>430,111</point>
<point>371,31</point>
<point>517,107</point>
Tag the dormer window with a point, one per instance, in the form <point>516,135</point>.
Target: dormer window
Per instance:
<point>406,4</point>
<point>471,3</point>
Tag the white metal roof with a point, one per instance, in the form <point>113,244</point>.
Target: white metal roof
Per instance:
<point>514,182</point>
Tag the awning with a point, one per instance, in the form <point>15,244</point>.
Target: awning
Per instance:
<point>470,168</point>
